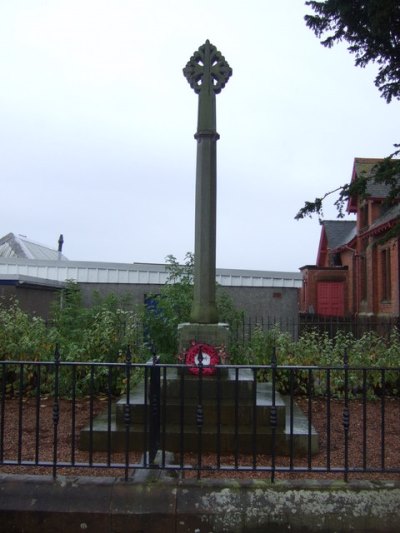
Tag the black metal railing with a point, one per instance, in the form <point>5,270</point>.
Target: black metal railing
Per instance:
<point>298,324</point>
<point>271,420</point>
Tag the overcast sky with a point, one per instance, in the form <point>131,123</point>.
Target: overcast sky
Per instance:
<point>97,124</point>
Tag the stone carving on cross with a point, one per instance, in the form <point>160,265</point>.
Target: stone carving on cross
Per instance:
<point>207,69</point>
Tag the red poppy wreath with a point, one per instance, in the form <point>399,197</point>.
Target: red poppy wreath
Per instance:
<point>209,358</point>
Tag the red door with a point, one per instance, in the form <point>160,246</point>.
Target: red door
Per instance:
<point>330,298</point>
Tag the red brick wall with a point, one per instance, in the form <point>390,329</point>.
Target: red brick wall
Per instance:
<point>387,305</point>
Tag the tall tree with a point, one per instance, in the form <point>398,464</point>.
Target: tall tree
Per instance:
<point>372,30</point>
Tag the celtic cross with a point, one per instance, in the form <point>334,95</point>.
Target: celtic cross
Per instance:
<point>207,73</point>
<point>207,69</point>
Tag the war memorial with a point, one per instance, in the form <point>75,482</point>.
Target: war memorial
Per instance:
<point>200,406</point>
<point>203,408</point>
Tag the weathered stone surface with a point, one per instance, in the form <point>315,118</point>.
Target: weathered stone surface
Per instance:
<point>143,507</point>
<point>231,419</point>
<point>207,72</point>
<point>214,334</point>
<point>40,504</point>
<point>37,503</point>
<point>210,504</point>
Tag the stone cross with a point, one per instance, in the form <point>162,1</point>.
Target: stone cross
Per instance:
<point>207,73</point>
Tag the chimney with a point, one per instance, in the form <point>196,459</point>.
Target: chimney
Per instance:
<point>60,245</point>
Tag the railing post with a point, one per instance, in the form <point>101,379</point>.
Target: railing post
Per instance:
<point>3,410</point>
<point>383,423</point>
<point>200,414</point>
<point>127,408</point>
<point>273,414</point>
<point>56,408</point>
<point>346,414</point>
<point>154,429</point>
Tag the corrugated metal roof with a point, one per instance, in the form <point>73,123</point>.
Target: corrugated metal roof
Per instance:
<point>21,247</point>
<point>138,273</point>
<point>17,279</point>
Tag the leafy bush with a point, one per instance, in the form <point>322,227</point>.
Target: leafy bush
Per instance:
<point>173,306</point>
<point>22,336</point>
<point>101,333</point>
<point>318,349</point>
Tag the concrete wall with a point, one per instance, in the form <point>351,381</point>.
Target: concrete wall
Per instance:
<point>266,302</point>
<point>256,302</point>
<point>274,303</point>
<point>136,292</point>
<point>38,300</point>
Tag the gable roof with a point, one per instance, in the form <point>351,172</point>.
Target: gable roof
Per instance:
<point>339,232</point>
<point>365,167</point>
<point>334,235</point>
<point>20,247</point>
<point>385,221</point>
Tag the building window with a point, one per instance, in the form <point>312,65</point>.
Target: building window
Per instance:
<point>364,216</point>
<point>386,275</point>
<point>363,276</point>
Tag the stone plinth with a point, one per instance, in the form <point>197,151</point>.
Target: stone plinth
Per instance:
<point>236,414</point>
<point>213,334</point>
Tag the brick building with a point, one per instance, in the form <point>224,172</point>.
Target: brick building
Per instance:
<point>357,268</point>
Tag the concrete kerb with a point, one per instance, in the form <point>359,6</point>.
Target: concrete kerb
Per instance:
<point>39,503</point>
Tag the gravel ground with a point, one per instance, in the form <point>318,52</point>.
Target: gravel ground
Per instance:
<point>380,447</point>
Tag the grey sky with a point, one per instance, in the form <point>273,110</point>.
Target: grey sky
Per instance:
<point>97,124</point>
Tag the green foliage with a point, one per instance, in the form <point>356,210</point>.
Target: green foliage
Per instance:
<point>169,308</point>
<point>173,306</point>
<point>22,336</point>
<point>101,333</point>
<point>385,172</point>
<point>372,30</point>
<point>318,349</point>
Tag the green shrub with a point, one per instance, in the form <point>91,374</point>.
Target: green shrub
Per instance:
<point>99,334</point>
<point>22,336</point>
<point>103,333</point>
<point>173,306</point>
<point>319,350</point>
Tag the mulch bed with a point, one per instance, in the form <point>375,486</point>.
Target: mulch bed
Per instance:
<point>366,441</point>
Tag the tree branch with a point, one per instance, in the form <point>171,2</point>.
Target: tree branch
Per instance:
<point>315,207</point>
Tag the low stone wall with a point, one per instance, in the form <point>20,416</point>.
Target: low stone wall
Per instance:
<point>38,503</point>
